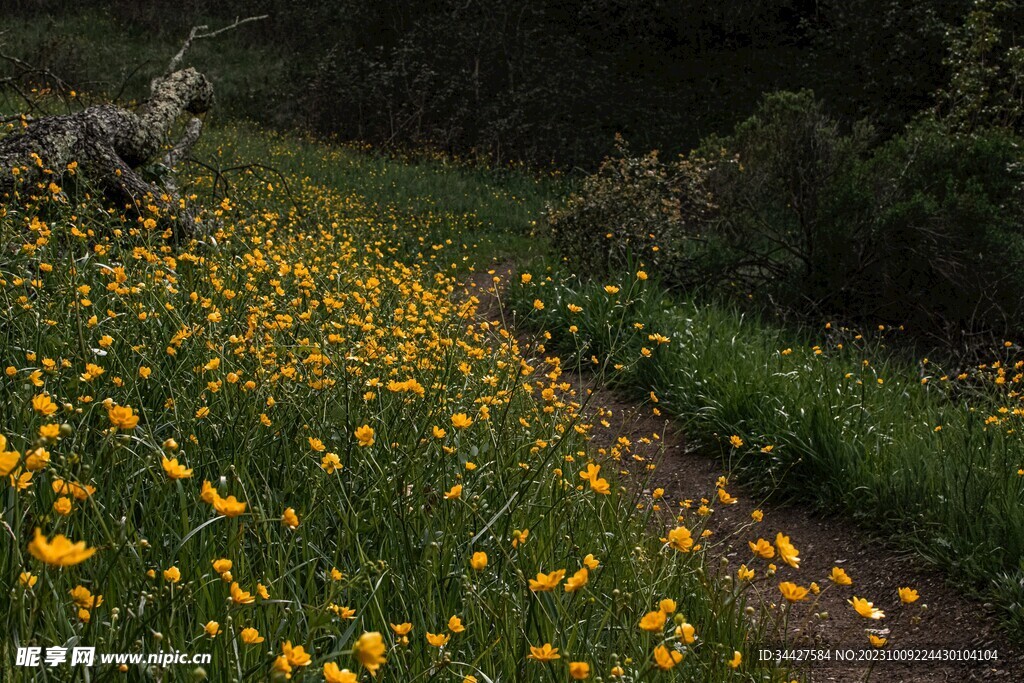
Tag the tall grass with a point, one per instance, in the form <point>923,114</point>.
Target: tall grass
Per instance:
<point>928,456</point>
<point>309,355</point>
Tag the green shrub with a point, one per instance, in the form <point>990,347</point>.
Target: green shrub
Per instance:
<point>924,229</point>
<point>940,217</point>
<point>743,210</point>
<point>773,191</point>
<point>635,208</point>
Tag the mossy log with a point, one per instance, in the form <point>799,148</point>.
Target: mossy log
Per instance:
<point>110,143</point>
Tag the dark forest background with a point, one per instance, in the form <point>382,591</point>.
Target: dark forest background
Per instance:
<point>538,81</point>
<point>861,159</point>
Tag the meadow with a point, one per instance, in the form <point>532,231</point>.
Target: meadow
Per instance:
<point>347,396</point>
<point>291,441</point>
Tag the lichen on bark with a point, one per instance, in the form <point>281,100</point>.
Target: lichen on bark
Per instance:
<point>111,143</point>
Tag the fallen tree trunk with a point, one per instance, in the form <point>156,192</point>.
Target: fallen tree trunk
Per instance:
<point>109,143</point>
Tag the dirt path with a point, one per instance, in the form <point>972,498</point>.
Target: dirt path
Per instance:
<point>942,618</point>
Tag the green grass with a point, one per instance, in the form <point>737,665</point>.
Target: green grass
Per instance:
<point>500,205</point>
<point>923,455</point>
<point>312,306</point>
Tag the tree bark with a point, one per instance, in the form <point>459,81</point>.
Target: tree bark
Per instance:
<point>109,143</point>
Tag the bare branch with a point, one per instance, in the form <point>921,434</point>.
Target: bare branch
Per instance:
<point>176,59</point>
<point>200,33</point>
<point>27,68</point>
<point>127,79</point>
<point>238,22</point>
<point>16,117</point>
<point>12,84</point>
<point>27,72</point>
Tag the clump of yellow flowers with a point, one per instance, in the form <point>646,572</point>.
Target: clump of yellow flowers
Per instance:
<point>294,440</point>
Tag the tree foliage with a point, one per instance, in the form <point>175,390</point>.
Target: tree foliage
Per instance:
<point>926,229</point>
<point>534,81</point>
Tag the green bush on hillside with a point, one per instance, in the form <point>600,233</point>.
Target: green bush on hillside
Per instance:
<point>941,223</point>
<point>924,229</point>
<point>635,207</point>
<point>774,197</point>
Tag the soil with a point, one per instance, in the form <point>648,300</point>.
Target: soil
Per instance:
<point>944,618</point>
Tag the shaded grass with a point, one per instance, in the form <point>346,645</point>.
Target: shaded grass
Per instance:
<point>104,58</point>
<point>501,204</point>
